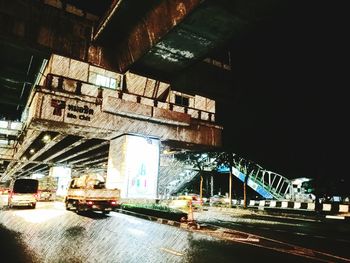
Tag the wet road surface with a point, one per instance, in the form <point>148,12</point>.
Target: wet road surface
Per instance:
<point>51,234</point>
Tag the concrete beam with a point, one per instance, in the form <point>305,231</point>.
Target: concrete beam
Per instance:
<point>84,151</point>
<point>106,125</point>
<point>28,139</point>
<point>41,151</point>
<point>93,162</point>
<point>73,145</point>
<point>35,171</point>
<point>90,158</point>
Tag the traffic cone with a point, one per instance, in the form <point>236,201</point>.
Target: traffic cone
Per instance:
<point>191,223</point>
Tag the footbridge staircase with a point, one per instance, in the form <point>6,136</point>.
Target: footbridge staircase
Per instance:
<point>176,173</point>
<point>268,184</point>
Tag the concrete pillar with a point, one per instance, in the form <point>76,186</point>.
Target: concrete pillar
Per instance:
<point>133,165</point>
<point>63,175</point>
<point>211,185</point>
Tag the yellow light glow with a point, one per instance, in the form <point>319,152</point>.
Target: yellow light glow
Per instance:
<point>46,138</point>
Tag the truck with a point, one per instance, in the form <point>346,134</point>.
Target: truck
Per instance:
<point>88,192</point>
<point>47,188</point>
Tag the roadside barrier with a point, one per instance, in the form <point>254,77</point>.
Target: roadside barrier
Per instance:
<point>328,208</point>
<point>282,204</point>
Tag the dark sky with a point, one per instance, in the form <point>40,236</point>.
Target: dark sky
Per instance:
<point>290,81</point>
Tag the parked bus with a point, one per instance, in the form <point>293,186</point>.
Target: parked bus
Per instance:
<point>23,192</point>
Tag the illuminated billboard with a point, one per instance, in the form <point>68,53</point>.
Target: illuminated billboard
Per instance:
<point>133,164</point>
<point>64,177</point>
<point>142,163</point>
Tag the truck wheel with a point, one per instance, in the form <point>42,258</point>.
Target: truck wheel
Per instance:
<point>105,212</point>
<point>78,210</point>
<point>71,205</point>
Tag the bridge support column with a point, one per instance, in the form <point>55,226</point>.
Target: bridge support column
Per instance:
<point>63,174</point>
<point>133,165</point>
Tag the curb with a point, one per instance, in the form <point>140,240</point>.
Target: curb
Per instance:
<point>299,214</point>
<point>153,219</point>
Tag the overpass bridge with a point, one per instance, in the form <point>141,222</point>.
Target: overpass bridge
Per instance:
<point>80,116</point>
<point>80,79</point>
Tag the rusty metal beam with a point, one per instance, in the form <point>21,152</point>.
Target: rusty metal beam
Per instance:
<point>154,25</point>
<point>45,29</point>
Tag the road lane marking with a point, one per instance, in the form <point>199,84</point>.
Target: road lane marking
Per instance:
<point>300,234</point>
<point>171,251</point>
<point>248,239</point>
<point>335,217</point>
<point>320,236</point>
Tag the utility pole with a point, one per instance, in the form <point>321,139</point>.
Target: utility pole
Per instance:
<point>201,191</point>
<point>245,192</point>
<point>230,189</point>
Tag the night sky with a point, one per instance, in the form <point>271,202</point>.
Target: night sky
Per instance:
<point>290,112</point>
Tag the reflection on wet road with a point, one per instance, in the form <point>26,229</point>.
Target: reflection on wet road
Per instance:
<point>53,234</point>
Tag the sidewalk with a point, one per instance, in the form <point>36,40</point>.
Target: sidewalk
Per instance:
<point>225,213</point>
<point>306,215</point>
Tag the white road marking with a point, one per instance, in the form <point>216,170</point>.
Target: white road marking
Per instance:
<point>320,236</point>
<point>171,251</point>
<point>301,234</point>
<point>335,217</point>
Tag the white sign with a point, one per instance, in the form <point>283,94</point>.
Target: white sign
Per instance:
<point>142,163</point>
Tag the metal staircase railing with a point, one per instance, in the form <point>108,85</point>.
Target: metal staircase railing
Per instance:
<point>267,183</point>
<point>277,185</point>
<point>174,175</point>
<point>185,178</point>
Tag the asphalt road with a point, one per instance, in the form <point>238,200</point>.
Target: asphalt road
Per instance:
<point>49,233</point>
<point>331,237</point>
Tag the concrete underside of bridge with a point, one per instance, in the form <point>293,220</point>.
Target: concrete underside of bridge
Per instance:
<point>83,121</point>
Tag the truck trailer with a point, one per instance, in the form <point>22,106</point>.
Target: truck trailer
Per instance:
<point>89,193</point>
